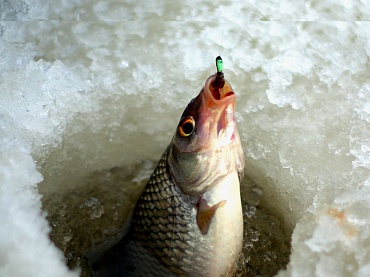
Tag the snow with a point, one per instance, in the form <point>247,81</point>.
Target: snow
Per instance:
<point>87,87</point>
<point>25,249</point>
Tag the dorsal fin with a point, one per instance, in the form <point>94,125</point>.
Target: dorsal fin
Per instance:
<point>205,213</point>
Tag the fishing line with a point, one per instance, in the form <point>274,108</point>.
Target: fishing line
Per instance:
<point>224,24</point>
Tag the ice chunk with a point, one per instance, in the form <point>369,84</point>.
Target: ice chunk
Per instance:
<point>24,231</point>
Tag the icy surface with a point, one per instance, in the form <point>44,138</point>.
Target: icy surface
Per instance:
<point>87,87</point>
<point>25,249</point>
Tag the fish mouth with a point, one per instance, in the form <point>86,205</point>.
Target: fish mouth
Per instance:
<point>220,98</point>
<point>218,87</point>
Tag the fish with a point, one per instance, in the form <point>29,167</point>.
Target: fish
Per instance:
<point>188,221</point>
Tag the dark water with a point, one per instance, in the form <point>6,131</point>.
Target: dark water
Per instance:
<point>266,246</point>
<point>90,219</point>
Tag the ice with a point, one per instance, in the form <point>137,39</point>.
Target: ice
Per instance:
<point>25,249</point>
<point>90,89</point>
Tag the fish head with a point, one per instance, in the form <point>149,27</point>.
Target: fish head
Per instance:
<point>206,146</point>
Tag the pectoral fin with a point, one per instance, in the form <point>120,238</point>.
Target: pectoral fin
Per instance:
<point>205,213</point>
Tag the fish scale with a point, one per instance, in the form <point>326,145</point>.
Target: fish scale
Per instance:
<point>168,225</point>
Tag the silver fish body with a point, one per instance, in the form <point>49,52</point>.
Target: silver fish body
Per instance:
<point>188,221</point>
<point>165,225</point>
<point>190,217</point>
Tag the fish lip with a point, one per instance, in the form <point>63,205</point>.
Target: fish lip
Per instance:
<point>227,97</point>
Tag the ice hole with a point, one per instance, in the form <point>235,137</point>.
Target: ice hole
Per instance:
<point>88,207</point>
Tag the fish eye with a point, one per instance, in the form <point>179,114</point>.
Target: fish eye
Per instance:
<point>186,127</point>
